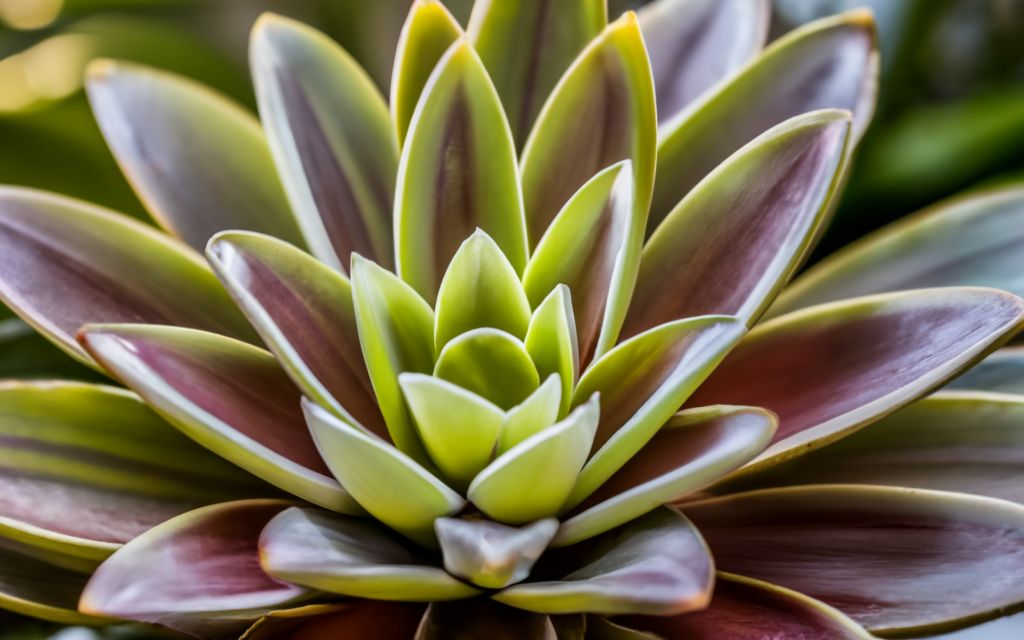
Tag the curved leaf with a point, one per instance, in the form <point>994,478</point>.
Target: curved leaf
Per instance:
<point>588,248</point>
<point>971,240</point>
<point>31,587</point>
<point>829,370</point>
<point>655,565</point>
<point>735,240</point>
<point>532,480</point>
<point>694,44</point>
<point>895,560</point>
<point>695,448</point>
<point>386,482</point>
<point>552,344</point>
<point>228,396</point>
<point>303,310</point>
<point>457,173</point>
<point>1002,372</point>
<point>827,64</point>
<point>65,263</point>
<point>370,619</point>
<point>527,45</point>
<point>331,135</point>
<point>538,412</point>
<point>602,111</point>
<point>642,382</point>
<point>85,468</point>
<point>198,573</point>
<point>490,363</point>
<point>352,557</point>
<point>489,554</point>
<point>480,288</point>
<point>196,159</point>
<point>482,618</point>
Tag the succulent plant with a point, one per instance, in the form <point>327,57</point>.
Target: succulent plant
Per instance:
<point>460,367</point>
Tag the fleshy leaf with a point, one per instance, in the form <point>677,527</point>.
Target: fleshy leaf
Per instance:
<point>828,370</point>
<point>369,619</point>
<point>428,32</point>
<point>539,411</point>
<point>735,240</point>
<point>353,557</point>
<point>969,442</point>
<point>532,480</point>
<point>970,240</point>
<point>655,565</point>
<point>390,485</point>
<point>65,263</point>
<point>601,112</point>
<point>482,618</point>
<point>737,601</point>
<point>329,129</point>
<point>695,448</point>
<point>396,331</point>
<point>896,560</point>
<point>527,46</point>
<point>31,587</point>
<point>198,573</point>
<point>490,554</point>
<point>551,342</point>
<point>1001,372</point>
<point>642,382</point>
<point>457,427</point>
<point>228,396</point>
<point>827,64</point>
<point>303,310</point>
<point>457,173</point>
<point>589,248</point>
<point>694,44</point>
<point>480,288</point>
<point>490,363</point>
<point>86,468</point>
<point>198,161</point>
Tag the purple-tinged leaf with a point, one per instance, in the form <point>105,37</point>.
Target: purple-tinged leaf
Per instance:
<point>198,161</point>
<point>198,573</point>
<point>694,44</point>
<point>490,554</point>
<point>735,240</point>
<point>303,310</point>
<point>828,64</point>
<point>359,621</point>
<point>331,136</point>
<point>898,561</point>
<point>65,263</point>
<point>228,396</point>
<point>828,370</point>
<point>656,565</point>
<point>482,618</point>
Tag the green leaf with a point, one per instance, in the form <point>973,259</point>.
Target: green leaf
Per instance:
<point>331,136</point>
<point>228,396</point>
<point>601,112</point>
<point>656,565</point>
<point>489,554</point>
<point>538,412</point>
<point>1001,372</point>
<point>551,342</point>
<point>213,170</point>
<point>490,363</point>
<point>642,382</point>
<point>396,331</point>
<point>457,173</point>
<point>480,288</point>
<point>303,310</point>
<point>532,480</point>
<point>590,249</point>
<point>86,468</point>
<point>428,32</point>
<point>31,587</point>
<point>458,427</point>
<point>695,448</point>
<point>390,485</point>
<point>734,241</point>
<point>830,63</point>
<point>352,557</point>
<point>527,46</point>
<point>974,239</point>
<point>66,263</point>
